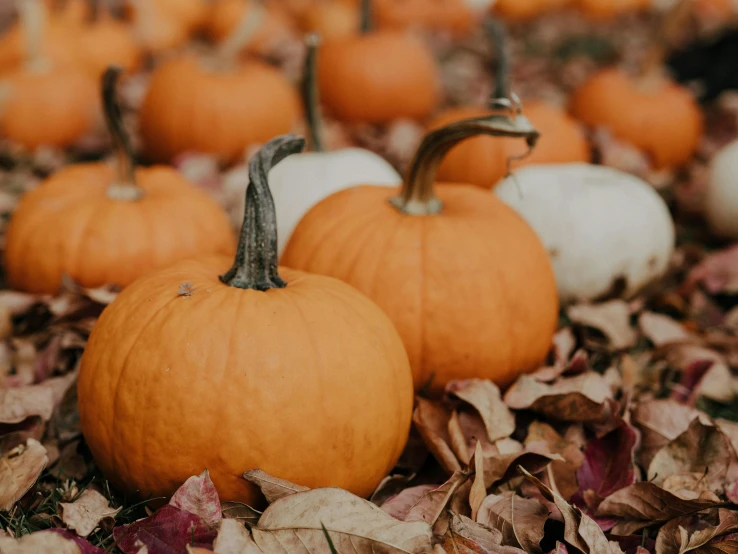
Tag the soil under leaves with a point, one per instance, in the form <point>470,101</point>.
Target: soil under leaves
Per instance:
<point>626,441</point>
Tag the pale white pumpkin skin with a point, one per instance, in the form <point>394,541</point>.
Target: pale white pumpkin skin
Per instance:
<point>721,200</point>
<point>299,182</point>
<point>598,224</point>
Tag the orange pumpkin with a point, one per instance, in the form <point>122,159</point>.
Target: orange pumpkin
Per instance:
<point>466,281</point>
<point>607,9</point>
<point>378,76</point>
<point>450,15</point>
<point>45,103</point>
<point>156,28</point>
<point>652,113</point>
<point>183,360</point>
<point>201,105</point>
<point>106,42</point>
<point>226,16</point>
<point>331,19</point>
<point>523,10</point>
<point>101,225</point>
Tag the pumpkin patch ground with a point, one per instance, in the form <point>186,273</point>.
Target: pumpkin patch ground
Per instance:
<point>484,297</point>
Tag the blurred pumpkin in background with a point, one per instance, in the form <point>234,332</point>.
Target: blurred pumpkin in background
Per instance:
<point>162,25</point>
<point>524,10</point>
<point>608,9</point>
<point>106,41</point>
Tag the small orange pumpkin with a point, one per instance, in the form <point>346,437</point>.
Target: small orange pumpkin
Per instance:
<point>105,42</point>
<point>215,106</point>
<point>524,10</point>
<point>104,226</point>
<point>378,76</point>
<point>331,19</point>
<point>43,103</point>
<point>608,9</point>
<point>157,28</point>
<point>652,113</point>
<point>226,16</point>
<point>314,361</point>
<point>450,15</point>
<point>466,281</point>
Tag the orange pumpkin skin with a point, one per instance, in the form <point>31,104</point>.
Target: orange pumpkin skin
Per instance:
<point>658,116</point>
<point>449,15</point>
<point>520,10</point>
<point>225,16</point>
<point>190,107</point>
<point>96,240</point>
<point>331,20</point>
<point>378,77</point>
<point>58,45</point>
<point>108,42</point>
<point>444,280</point>
<point>483,160</point>
<point>607,9</point>
<point>53,107</point>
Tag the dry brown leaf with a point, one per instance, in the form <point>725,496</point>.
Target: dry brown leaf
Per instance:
<point>399,505</point>
<point>465,536</point>
<point>643,504</point>
<point>564,472</point>
<point>478,488</point>
<point>718,384</point>
<point>611,318</point>
<point>433,503</point>
<point>661,329</point>
<point>19,470</point>
<point>689,485</point>
<point>17,404</point>
<point>295,523</point>
<point>702,449</point>
<point>460,444</point>
<point>730,428</point>
<point>675,538</point>
<point>660,422</point>
<point>241,512</point>
<point>485,397</point>
<point>272,487</point>
<point>580,530</point>
<point>580,398</point>
<point>234,538</point>
<point>85,514</point>
<point>38,543</point>
<point>431,421</point>
<point>520,520</point>
<point>499,468</point>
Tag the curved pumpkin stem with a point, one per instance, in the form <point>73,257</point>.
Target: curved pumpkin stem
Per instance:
<point>366,22</point>
<point>124,187</point>
<point>416,196</point>
<point>255,266</point>
<point>311,94</point>
<point>33,19</point>
<point>498,35</point>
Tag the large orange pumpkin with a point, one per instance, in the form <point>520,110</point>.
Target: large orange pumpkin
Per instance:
<point>101,225</point>
<point>296,374</point>
<point>465,280</point>
<point>196,104</point>
<point>652,113</point>
<point>378,76</point>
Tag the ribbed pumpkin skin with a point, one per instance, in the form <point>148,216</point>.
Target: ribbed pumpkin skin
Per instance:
<point>471,290</point>
<point>378,77</point>
<point>482,160</point>
<point>191,108</point>
<point>309,383</point>
<point>107,42</point>
<point>68,225</point>
<point>662,119</point>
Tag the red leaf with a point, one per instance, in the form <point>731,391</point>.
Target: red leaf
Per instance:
<point>168,531</point>
<point>198,496</point>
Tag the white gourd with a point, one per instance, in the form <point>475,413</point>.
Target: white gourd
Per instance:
<point>600,226</point>
<point>299,182</point>
<point>721,202</point>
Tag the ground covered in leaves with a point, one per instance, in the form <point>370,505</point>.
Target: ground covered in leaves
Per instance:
<point>626,441</point>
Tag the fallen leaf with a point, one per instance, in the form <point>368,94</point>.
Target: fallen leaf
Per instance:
<point>730,428</point>
<point>611,318</point>
<point>168,531</point>
<point>643,504</point>
<point>560,549</point>
<point>461,445</point>
<point>485,397</point>
<point>399,505</point>
<point>564,472</point>
<point>19,470</point>
<point>688,485</point>
<point>478,490</point>
<point>295,523</point>
<point>17,404</point>
<point>661,329</point>
<point>240,511</point>
<point>675,538</point>
<point>198,496</point>
<point>700,449</point>
<point>465,536</point>
<point>504,467</point>
<point>84,546</point>
<point>431,506</point>
<point>431,421</point>
<point>520,520</point>
<point>69,464</point>
<point>580,530</point>
<point>580,398</point>
<point>43,542</point>
<point>660,422</point>
<point>234,538</point>
<point>718,384</point>
<point>718,273</point>
<point>609,465</point>
<point>85,514</point>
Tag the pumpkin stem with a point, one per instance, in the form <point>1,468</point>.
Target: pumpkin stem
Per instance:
<point>498,35</point>
<point>124,187</point>
<point>311,94</point>
<point>33,18</point>
<point>235,42</point>
<point>366,23</point>
<point>416,196</point>
<point>255,266</point>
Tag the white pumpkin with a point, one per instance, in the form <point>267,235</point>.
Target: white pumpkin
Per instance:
<point>601,226</point>
<point>721,201</point>
<point>300,182</point>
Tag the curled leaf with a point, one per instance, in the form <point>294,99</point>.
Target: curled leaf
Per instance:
<point>272,487</point>
<point>198,496</point>
<point>19,470</point>
<point>611,318</point>
<point>85,514</point>
<point>520,520</point>
<point>431,421</point>
<point>485,397</point>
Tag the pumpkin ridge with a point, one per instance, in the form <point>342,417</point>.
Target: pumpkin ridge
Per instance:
<point>363,225</point>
